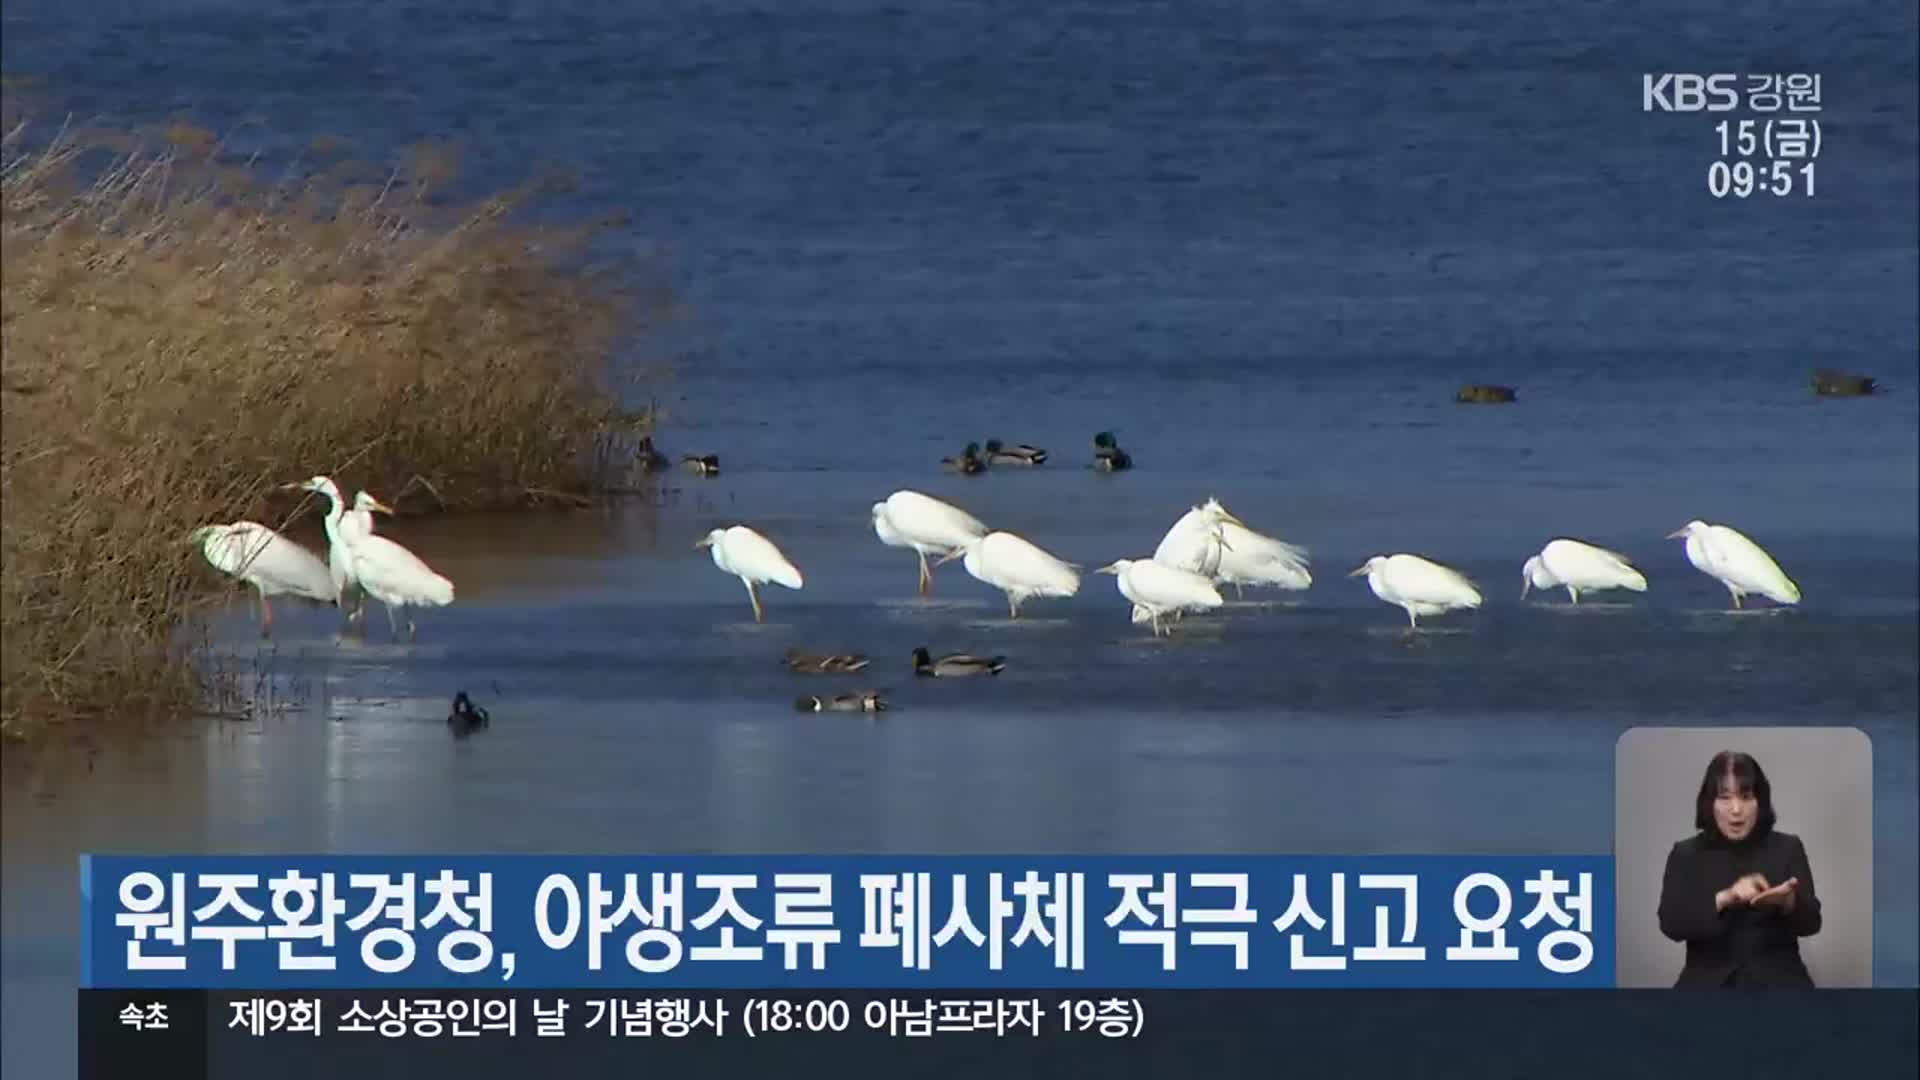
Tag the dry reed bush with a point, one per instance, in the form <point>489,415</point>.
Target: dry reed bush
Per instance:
<point>182,335</point>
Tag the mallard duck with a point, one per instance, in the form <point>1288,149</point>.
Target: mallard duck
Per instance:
<point>858,701</point>
<point>822,665</point>
<point>1107,455</point>
<point>956,665</point>
<point>968,463</point>
<point>466,717</point>
<point>704,464</point>
<point>1023,454</point>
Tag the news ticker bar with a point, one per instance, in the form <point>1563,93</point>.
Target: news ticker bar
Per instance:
<point>999,922</point>
<point>289,1034</point>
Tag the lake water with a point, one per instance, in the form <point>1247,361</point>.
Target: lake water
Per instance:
<point>1262,244</point>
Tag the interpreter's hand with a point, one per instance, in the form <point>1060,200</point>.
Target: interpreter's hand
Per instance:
<point>1742,891</point>
<point>1780,897</point>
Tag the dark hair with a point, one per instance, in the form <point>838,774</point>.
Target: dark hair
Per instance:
<point>1747,778</point>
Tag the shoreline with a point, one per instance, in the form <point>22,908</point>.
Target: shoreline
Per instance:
<point>187,333</point>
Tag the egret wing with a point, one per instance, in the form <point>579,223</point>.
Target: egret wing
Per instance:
<point>755,556</point>
<point>930,521</point>
<point>1424,580</point>
<point>1749,564</point>
<point>1168,587</point>
<point>386,568</point>
<point>1190,544</point>
<point>1011,562</point>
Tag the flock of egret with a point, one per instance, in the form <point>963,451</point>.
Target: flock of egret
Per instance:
<point>357,559</point>
<point>1207,547</point>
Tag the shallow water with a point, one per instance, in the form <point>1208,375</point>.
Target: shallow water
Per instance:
<point>1263,248</point>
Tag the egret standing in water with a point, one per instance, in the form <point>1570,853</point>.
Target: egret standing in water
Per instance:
<point>387,571</point>
<point>355,524</point>
<point>753,559</point>
<point>908,519</point>
<point>1420,586</point>
<point>1197,541</point>
<point>339,560</point>
<point>1725,554</point>
<point>269,562</point>
<point>1018,568</point>
<point>1576,565</point>
<point>1159,589</point>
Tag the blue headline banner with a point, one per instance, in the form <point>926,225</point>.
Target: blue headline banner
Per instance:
<point>865,921</point>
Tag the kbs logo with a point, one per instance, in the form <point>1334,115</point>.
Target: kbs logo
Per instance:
<point>1689,93</point>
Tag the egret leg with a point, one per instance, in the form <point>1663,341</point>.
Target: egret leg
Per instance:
<point>266,606</point>
<point>1013,606</point>
<point>1239,593</point>
<point>926,575</point>
<point>1736,600</point>
<point>410,630</point>
<point>753,594</point>
<point>1412,623</point>
<point>1573,592</point>
<point>393,623</point>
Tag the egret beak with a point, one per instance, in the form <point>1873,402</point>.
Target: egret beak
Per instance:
<point>376,504</point>
<point>705,541</point>
<point>1677,534</point>
<point>956,553</point>
<point>1110,568</point>
<point>1525,584</point>
<point>1359,572</point>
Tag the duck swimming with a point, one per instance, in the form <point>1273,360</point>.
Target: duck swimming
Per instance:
<point>1000,454</point>
<point>955,665</point>
<point>1107,455</point>
<point>823,665</point>
<point>968,463</point>
<point>466,717</point>
<point>858,701</point>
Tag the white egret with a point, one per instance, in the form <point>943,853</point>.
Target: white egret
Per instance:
<point>908,519</point>
<point>1420,586</point>
<point>271,563</point>
<point>1251,558</point>
<point>336,521</point>
<point>357,522</point>
<point>1575,565</point>
<point>1018,568</point>
<point>384,569</point>
<point>339,561</point>
<point>1160,589</point>
<point>753,559</point>
<point>1725,554</point>
<point>1196,541</point>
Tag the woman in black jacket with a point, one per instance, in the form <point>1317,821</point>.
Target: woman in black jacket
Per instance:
<point>1738,893</point>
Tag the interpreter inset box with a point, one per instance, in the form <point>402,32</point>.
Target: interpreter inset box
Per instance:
<point>1743,857</point>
